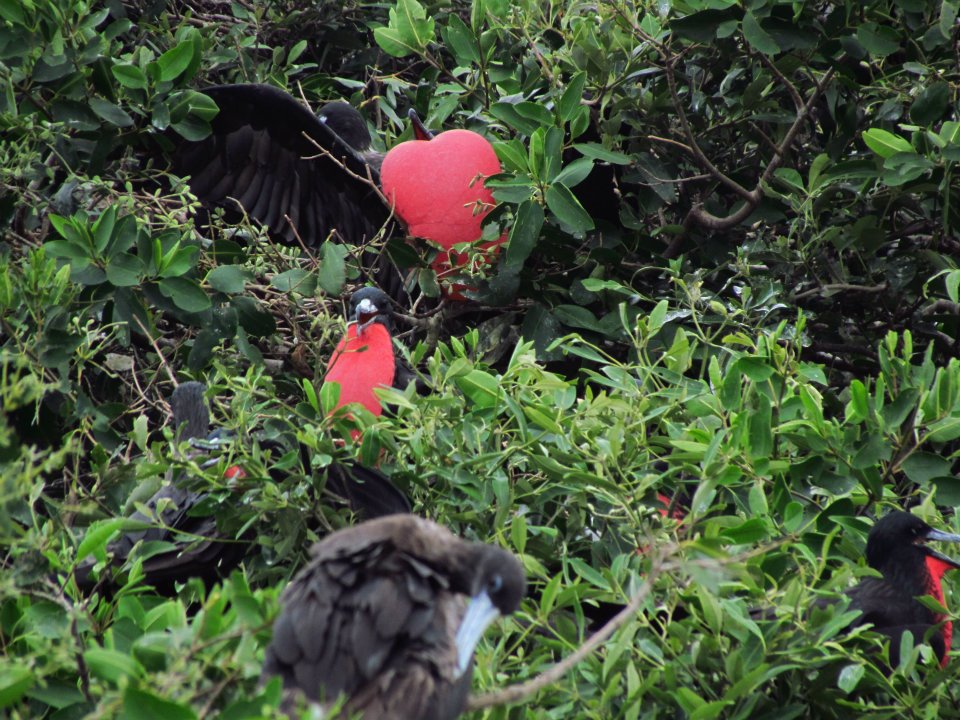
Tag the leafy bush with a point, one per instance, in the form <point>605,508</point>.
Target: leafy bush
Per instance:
<point>731,264</point>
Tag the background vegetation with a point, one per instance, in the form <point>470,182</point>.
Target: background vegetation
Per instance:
<point>732,260</point>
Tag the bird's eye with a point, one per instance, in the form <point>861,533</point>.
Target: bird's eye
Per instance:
<point>494,585</point>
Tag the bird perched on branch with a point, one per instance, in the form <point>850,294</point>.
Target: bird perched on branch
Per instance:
<point>388,613</point>
<point>896,547</point>
<point>304,175</point>
<point>191,544</point>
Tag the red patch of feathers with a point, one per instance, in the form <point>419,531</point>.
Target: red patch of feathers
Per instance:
<point>936,568</point>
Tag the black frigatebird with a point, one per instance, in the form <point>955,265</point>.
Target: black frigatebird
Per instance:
<point>380,615</point>
<point>896,547</point>
<point>200,549</point>
<point>285,167</point>
<point>300,174</point>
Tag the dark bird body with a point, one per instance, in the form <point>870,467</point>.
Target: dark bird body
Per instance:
<point>910,569</point>
<point>266,156</point>
<point>186,540</point>
<point>388,613</point>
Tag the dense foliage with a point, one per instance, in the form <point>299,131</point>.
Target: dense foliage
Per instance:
<point>730,280</point>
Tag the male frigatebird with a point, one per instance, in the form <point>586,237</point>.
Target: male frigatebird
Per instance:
<point>199,548</point>
<point>388,613</point>
<point>305,175</point>
<point>896,547</point>
<point>364,358</point>
<point>271,157</point>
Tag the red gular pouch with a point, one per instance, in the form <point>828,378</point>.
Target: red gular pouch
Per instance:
<point>937,566</point>
<point>362,361</point>
<point>437,188</point>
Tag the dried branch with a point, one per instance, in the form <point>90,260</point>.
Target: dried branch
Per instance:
<point>524,690</point>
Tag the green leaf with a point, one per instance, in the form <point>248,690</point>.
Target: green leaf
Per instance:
<point>948,17</point>
<point>576,172</point>
<point>461,41</point>
<point>130,76</point>
<point>480,387</point>
<point>850,677</point>
<point>141,705</point>
<point>228,279</point>
<point>191,128</point>
<point>408,32</point>
<point>758,38</point>
<point>575,316</point>
<point>186,294</point>
<point>879,40</point>
<point>885,143</point>
<point>125,270</point>
<point>113,114</point>
<point>111,665</point>
<point>295,280</point>
<point>97,537</point>
<point>524,233</point>
<point>175,60</point>
<point>333,272</point>
<point>931,104</point>
<point>14,683</point>
<point>182,261</point>
<point>572,97</point>
<point>12,10</point>
<point>921,467</point>
<point>599,152</point>
<point>568,210</point>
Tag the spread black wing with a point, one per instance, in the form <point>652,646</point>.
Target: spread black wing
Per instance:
<point>258,159</point>
<point>373,623</point>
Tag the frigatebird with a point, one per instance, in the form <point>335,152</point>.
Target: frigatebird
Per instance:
<point>381,616</point>
<point>193,545</point>
<point>896,547</point>
<point>304,175</point>
<point>295,172</point>
<point>365,359</point>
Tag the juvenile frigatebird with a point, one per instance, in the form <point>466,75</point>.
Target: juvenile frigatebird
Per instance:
<point>381,615</point>
<point>199,548</point>
<point>896,547</point>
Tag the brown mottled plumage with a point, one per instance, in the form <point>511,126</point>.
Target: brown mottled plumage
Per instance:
<point>379,615</point>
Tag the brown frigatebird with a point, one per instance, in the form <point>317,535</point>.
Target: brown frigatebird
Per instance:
<point>388,613</point>
<point>190,543</point>
<point>896,547</point>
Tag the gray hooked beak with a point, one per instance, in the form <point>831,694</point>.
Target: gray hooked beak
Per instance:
<point>480,613</point>
<point>939,536</point>
<point>365,314</point>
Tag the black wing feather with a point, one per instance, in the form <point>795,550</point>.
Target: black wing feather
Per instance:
<point>257,154</point>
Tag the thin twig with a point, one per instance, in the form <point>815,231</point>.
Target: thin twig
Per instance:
<point>521,691</point>
<point>163,360</point>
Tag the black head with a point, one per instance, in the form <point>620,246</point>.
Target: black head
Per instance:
<point>369,305</point>
<point>496,585</point>
<point>896,544</point>
<point>501,576</point>
<point>191,416</point>
<point>348,123</point>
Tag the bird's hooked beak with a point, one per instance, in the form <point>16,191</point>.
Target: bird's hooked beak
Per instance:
<point>938,536</point>
<point>420,131</point>
<point>480,613</point>
<point>365,314</point>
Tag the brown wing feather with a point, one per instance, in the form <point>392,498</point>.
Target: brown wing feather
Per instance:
<point>384,618</point>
